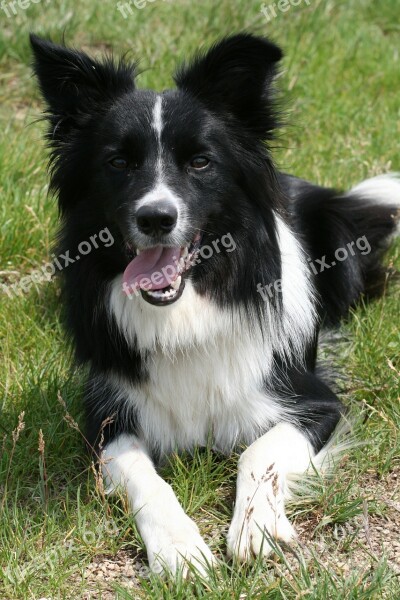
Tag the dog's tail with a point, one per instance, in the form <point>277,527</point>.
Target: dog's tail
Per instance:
<point>346,235</point>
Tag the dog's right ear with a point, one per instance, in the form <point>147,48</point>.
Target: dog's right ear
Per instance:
<point>73,84</point>
<point>235,77</point>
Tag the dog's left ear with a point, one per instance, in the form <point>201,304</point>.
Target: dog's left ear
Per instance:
<point>235,76</point>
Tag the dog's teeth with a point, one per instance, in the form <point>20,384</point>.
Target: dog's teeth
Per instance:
<point>138,251</point>
<point>177,283</point>
<point>185,252</point>
<point>163,295</point>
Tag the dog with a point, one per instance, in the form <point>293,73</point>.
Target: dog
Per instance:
<point>199,324</point>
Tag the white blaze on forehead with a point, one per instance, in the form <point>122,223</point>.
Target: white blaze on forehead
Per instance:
<point>157,125</point>
<point>157,117</point>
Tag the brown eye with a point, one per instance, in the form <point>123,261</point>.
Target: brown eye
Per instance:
<point>199,162</point>
<point>118,163</point>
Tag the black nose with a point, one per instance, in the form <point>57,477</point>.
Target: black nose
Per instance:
<point>156,218</point>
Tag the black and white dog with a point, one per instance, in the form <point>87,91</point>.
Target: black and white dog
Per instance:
<point>200,322</point>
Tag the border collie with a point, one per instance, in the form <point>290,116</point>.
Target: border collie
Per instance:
<point>201,321</point>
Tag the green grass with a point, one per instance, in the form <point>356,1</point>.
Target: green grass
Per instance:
<point>340,83</point>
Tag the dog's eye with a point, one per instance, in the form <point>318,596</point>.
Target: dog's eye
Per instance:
<point>118,163</point>
<point>199,162</point>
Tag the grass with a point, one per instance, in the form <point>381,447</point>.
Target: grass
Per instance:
<point>340,85</point>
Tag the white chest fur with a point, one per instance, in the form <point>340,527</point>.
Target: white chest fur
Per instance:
<point>206,373</point>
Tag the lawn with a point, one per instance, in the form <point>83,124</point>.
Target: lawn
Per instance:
<point>59,536</point>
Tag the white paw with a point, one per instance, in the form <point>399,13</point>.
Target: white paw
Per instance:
<point>172,539</point>
<point>259,516</point>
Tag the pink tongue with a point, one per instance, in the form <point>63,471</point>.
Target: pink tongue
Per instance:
<point>157,265</point>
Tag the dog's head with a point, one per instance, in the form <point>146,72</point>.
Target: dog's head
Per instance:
<point>168,172</point>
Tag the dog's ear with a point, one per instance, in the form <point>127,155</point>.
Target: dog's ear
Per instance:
<point>235,76</point>
<point>73,84</point>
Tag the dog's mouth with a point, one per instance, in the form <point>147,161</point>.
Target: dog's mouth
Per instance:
<point>158,273</point>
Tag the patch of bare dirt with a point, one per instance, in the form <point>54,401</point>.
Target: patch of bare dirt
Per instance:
<point>364,540</point>
<point>105,572</point>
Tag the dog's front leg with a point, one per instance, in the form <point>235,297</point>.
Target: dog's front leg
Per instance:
<point>172,539</point>
<point>259,513</point>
